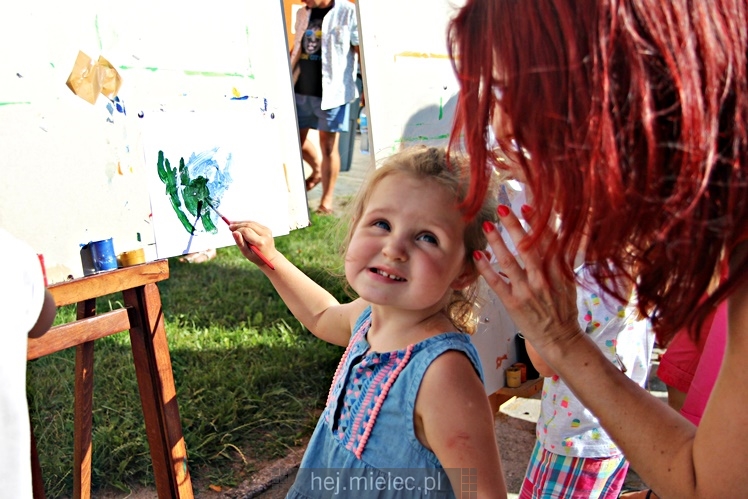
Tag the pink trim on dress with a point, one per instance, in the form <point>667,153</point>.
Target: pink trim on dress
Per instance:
<point>385,371</point>
<point>380,400</point>
<point>345,355</point>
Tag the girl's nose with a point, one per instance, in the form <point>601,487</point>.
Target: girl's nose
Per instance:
<point>395,249</point>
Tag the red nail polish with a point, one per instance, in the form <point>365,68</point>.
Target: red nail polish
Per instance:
<point>526,210</point>
<point>503,210</point>
<point>488,226</point>
<point>477,255</point>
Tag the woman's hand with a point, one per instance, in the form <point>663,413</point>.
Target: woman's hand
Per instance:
<point>544,308</point>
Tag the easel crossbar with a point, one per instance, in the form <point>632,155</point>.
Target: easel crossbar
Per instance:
<point>75,333</point>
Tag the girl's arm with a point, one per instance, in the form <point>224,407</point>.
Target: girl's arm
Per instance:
<point>672,456</point>
<point>456,423</point>
<point>309,302</point>
<point>46,316</point>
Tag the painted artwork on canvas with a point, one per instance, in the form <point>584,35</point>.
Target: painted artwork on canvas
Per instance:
<point>216,170</point>
<point>196,186</point>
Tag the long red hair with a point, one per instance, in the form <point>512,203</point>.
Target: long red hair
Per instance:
<point>633,115</point>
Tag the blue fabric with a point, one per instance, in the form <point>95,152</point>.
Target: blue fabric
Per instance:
<point>392,457</point>
<point>310,115</point>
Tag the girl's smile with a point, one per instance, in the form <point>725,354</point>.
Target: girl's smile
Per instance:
<point>387,276</point>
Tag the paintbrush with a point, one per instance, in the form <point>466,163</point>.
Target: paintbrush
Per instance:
<point>254,248</point>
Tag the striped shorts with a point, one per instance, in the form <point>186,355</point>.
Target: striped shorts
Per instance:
<point>554,476</point>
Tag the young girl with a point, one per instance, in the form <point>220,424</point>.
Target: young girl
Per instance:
<point>407,413</point>
<point>574,457</point>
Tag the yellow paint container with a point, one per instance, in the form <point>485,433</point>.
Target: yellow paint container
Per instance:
<point>130,258</point>
<point>513,377</point>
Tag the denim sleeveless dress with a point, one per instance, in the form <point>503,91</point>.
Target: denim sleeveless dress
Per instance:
<point>364,445</point>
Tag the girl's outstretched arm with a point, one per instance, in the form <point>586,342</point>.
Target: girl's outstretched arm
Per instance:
<point>672,456</point>
<point>454,419</point>
<point>309,302</point>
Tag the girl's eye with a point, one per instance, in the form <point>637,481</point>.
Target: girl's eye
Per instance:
<point>381,224</point>
<point>429,238</point>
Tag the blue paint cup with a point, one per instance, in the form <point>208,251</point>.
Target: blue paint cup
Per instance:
<point>102,253</point>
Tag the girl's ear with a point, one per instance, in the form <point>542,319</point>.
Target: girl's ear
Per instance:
<point>466,278</point>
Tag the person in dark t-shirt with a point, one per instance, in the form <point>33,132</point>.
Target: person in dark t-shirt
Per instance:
<point>325,54</point>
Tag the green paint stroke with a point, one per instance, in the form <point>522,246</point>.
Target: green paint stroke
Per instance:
<point>195,193</point>
<point>18,103</point>
<point>168,176</point>
<point>441,108</point>
<point>135,67</point>
<point>190,72</point>
<point>421,138</point>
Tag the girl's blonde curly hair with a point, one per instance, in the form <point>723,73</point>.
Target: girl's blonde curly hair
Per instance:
<point>450,171</point>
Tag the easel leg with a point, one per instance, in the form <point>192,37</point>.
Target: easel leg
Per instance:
<point>82,448</point>
<point>157,392</point>
<point>83,410</point>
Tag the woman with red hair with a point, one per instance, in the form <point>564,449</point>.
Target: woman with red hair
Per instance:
<point>631,118</point>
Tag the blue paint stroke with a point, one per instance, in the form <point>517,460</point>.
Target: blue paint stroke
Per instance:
<point>204,164</point>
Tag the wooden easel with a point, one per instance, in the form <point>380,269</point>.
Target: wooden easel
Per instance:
<point>143,317</point>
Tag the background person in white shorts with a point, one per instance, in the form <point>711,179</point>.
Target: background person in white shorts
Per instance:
<point>326,47</point>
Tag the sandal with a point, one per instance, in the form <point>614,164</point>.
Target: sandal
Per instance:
<point>324,210</point>
<point>199,257</point>
<point>312,181</point>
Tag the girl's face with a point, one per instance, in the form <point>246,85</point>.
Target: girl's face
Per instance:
<point>407,249</point>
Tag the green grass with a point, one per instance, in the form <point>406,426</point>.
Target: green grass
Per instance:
<point>250,379</point>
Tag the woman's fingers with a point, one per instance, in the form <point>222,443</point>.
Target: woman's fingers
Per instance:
<point>560,271</point>
<point>495,280</point>
<point>530,255</point>
<point>539,303</point>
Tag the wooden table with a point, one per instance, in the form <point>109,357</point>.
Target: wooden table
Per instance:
<point>143,317</point>
<point>526,389</point>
